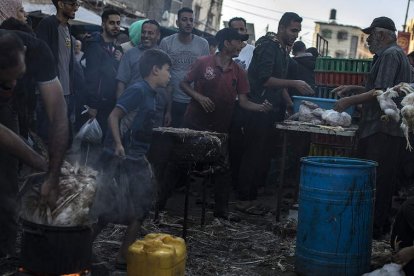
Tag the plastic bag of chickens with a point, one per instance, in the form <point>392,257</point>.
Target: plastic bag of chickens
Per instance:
<point>77,190</point>
<point>391,269</point>
<point>334,118</point>
<point>306,114</point>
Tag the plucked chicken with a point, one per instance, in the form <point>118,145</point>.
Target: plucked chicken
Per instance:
<point>77,187</point>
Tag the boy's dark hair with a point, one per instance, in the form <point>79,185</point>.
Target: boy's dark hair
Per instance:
<point>411,54</point>
<point>55,3</point>
<point>153,22</point>
<point>10,47</point>
<point>151,58</point>
<point>237,19</point>
<point>15,24</point>
<point>184,9</point>
<point>107,12</point>
<point>212,41</point>
<point>298,46</point>
<point>289,17</point>
<point>313,51</point>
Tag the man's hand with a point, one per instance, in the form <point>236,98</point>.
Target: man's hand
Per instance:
<point>266,106</point>
<point>49,191</point>
<point>92,113</point>
<point>205,102</point>
<point>119,150</point>
<point>303,88</point>
<point>343,104</point>
<point>404,256</point>
<point>118,55</point>
<point>347,90</point>
<point>167,119</point>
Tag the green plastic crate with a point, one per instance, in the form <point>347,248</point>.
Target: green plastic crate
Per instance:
<point>327,64</point>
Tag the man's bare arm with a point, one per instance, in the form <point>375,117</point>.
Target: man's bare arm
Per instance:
<point>54,101</point>
<point>10,142</point>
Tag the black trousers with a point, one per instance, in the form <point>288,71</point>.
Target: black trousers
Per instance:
<point>177,113</point>
<point>260,135</point>
<point>8,188</point>
<point>236,143</point>
<point>384,149</point>
<point>403,231</point>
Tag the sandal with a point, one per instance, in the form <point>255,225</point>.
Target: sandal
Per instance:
<point>121,266</point>
<point>255,210</point>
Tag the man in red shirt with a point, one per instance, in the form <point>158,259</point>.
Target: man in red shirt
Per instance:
<point>218,81</point>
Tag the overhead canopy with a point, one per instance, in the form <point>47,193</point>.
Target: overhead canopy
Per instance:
<point>83,16</point>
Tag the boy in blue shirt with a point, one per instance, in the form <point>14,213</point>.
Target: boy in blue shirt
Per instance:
<point>129,137</point>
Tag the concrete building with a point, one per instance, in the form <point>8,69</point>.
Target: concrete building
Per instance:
<point>410,29</point>
<point>250,31</point>
<point>207,13</point>
<point>344,41</point>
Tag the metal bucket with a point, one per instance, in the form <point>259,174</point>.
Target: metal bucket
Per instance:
<point>55,250</point>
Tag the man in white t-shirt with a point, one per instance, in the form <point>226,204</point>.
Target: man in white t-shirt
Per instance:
<point>246,54</point>
<point>183,48</point>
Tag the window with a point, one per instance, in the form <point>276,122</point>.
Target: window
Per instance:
<point>339,54</point>
<point>197,13</point>
<point>326,33</point>
<point>342,35</point>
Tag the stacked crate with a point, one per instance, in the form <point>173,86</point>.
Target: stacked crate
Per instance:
<point>333,72</point>
<point>329,74</point>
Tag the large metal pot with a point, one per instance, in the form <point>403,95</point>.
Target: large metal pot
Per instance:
<point>55,249</point>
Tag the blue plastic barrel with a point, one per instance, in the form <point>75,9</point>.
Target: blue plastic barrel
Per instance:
<point>336,207</point>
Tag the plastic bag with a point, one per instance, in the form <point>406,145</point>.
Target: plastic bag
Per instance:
<point>124,191</point>
<point>334,118</point>
<point>391,269</point>
<point>90,132</point>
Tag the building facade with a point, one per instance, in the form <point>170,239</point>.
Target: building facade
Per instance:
<point>344,41</point>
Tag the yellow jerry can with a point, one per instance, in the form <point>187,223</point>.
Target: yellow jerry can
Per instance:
<point>157,255</point>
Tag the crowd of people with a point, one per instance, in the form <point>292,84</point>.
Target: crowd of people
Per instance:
<point>219,84</point>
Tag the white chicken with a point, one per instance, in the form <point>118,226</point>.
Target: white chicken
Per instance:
<point>387,105</point>
<point>407,123</point>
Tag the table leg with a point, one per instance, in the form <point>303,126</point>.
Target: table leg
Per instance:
<point>186,203</point>
<point>279,192</point>
<point>206,180</point>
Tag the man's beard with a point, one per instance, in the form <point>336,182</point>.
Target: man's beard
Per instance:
<point>69,16</point>
<point>112,35</point>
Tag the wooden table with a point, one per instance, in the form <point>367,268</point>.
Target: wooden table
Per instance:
<point>296,126</point>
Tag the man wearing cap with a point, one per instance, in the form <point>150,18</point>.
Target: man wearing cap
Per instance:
<point>379,140</point>
<point>218,80</point>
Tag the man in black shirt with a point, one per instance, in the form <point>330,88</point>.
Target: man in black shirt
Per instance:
<point>267,76</point>
<point>37,56</point>
<point>102,56</point>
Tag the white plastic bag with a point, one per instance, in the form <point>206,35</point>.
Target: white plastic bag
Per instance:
<point>334,118</point>
<point>90,132</point>
<point>391,269</point>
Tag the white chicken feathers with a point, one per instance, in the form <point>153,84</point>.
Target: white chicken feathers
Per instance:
<point>391,110</point>
<point>387,105</point>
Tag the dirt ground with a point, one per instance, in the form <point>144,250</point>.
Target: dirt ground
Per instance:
<point>255,246</point>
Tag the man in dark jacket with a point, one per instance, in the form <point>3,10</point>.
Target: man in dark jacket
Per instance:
<point>267,76</point>
<point>55,31</point>
<point>305,64</point>
<point>102,55</point>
